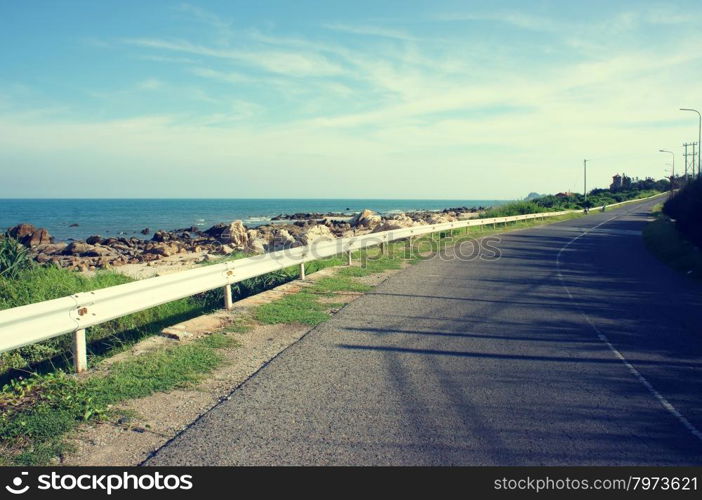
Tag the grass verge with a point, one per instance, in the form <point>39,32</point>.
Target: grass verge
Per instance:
<point>664,241</point>
<point>39,411</point>
<point>306,306</point>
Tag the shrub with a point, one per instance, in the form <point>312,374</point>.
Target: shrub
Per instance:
<point>14,258</point>
<point>514,208</point>
<point>686,208</point>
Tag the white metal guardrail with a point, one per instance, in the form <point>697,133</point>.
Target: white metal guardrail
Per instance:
<point>21,326</point>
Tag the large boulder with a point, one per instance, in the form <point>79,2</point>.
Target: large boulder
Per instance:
<point>366,218</point>
<point>440,218</point>
<point>50,249</point>
<point>316,233</point>
<point>47,253</point>
<point>30,236</point>
<point>233,233</point>
<point>78,248</point>
<point>101,251</point>
<point>161,236</point>
<point>399,221</point>
<point>282,239</point>
<point>163,249</point>
<point>257,245</point>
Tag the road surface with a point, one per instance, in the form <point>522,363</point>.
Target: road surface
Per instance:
<point>574,347</point>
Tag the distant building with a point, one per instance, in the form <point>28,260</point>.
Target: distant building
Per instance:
<point>567,194</point>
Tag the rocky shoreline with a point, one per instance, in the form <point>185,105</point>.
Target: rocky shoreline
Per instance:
<point>219,240</point>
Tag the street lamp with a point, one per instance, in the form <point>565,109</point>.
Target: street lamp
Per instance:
<point>672,177</point>
<point>699,139</point>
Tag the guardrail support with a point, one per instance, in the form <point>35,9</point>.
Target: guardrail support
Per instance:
<point>348,258</point>
<point>384,249</point>
<point>228,302</point>
<point>302,270</point>
<point>80,355</point>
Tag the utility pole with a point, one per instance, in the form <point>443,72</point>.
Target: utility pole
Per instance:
<point>694,144</point>
<point>699,139</point>
<point>585,184</point>
<point>685,155</point>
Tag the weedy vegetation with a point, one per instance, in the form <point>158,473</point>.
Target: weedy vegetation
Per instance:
<point>669,244</point>
<point>37,412</point>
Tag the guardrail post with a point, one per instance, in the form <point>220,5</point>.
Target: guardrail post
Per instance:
<point>302,270</point>
<point>80,355</point>
<point>348,258</point>
<point>228,302</point>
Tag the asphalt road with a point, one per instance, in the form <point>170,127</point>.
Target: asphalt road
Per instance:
<point>571,348</point>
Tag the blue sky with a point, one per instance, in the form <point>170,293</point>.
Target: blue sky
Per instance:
<point>341,99</point>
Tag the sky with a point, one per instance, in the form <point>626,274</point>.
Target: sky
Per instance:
<point>341,99</point>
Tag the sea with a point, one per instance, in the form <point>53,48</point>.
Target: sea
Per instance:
<point>76,219</point>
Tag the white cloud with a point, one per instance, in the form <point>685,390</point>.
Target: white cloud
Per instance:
<point>374,31</point>
<point>514,18</point>
<point>275,61</point>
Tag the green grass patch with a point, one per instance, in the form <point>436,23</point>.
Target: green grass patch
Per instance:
<point>372,261</point>
<point>241,324</point>
<point>664,240</point>
<point>318,265</point>
<point>331,284</point>
<point>301,307</point>
<point>304,307</point>
<point>36,413</point>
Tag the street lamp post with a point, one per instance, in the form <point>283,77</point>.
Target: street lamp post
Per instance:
<point>585,184</point>
<point>699,139</point>
<point>672,176</point>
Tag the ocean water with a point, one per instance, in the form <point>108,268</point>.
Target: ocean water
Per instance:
<point>68,219</point>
